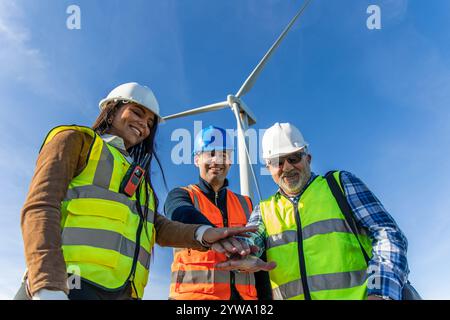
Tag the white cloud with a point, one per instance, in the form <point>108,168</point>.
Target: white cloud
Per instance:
<point>410,70</point>
<point>159,282</point>
<point>415,191</point>
<point>19,61</point>
<point>23,61</point>
<point>393,11</point>
<point>430,252</point>
<point>10,280</point>
<point>22,66</point>
<point>12,261</point>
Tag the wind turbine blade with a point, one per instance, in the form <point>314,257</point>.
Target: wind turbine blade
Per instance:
<point>247,161</point>
<point>209,107</point>
<point>248,84</point>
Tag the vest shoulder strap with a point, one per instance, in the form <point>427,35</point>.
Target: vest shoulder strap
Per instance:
<point>53,132</point>
<point>246,204</point>
<point>334,182</point>
<point>193,194</point>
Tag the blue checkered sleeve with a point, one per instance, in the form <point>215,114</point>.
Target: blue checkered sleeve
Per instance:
<point>388,268</point>
<point>257,238</point>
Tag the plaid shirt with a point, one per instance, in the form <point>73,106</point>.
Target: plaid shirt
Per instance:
<point>388,267</point>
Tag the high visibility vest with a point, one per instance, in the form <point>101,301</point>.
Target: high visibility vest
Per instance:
<point>193,273</point>
<point>314,247</point>
<point>100,225</point>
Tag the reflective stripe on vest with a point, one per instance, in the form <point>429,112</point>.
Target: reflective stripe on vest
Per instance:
<point>244,204</point>
<point>219,276</point>
<point>333,281</point>
<point>99,224</point>
<point>327,243</point>
<point>104,239</point>
<point>320,227</point>
<point>193,273</point>
<point>93,191</point>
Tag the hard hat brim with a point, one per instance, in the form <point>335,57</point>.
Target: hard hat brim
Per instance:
<point>207,150</point>
<point>103,102</point>
<point>285,152</point>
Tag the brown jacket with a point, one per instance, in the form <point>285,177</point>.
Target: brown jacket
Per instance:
<point>63,158</point>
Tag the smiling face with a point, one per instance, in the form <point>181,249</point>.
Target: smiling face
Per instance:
<point>132,123</point>
<point>291,177</point>
<point>213,165</point>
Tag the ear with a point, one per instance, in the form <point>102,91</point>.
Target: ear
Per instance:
<point>309,158</point>
<point>196,160</point>
<point>269,168</point>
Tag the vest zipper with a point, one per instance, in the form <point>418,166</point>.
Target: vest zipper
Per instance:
<point>301,256</point>
<point>136,250</point>
<point>224,217</point>
<point>225,224</point>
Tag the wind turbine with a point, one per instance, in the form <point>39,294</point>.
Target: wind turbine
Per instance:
<point>244,116</point>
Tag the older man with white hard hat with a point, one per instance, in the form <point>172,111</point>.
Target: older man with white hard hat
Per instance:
<point>329,236</point>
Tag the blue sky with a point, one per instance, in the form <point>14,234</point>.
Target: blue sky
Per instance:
<point>373,102</point>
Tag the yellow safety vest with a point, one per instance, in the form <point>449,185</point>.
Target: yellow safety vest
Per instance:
<point>317,255</point>
<point>100,225</point>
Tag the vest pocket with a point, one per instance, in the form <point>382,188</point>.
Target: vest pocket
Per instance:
<point>245,284</point>
<point>93,231</point>
<point>98,214</point>
<point>99,208</point>
<point>195,272</point>
<point>75,255</point>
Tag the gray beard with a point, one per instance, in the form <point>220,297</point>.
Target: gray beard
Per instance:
<point>303,179</point>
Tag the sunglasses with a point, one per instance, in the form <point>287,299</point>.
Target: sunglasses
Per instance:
<point>292,159</point>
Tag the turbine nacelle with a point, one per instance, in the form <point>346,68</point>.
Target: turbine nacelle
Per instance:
<point>242,108</point>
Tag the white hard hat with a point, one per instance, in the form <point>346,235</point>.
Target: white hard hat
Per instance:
<point>133,92</point>
<point>282,139</point>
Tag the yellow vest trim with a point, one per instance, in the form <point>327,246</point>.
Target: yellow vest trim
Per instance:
<point>334,264</point>
<point>99,224</point>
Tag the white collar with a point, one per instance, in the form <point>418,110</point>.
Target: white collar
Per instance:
<point>118,143</point>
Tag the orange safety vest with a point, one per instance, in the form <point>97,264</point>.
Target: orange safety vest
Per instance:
<point>193,273</point>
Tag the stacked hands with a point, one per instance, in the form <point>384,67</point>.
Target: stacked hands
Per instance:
<point>238,251</point>
<point>222,240</point>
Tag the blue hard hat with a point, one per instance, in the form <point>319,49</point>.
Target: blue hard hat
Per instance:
<point>212,138</point>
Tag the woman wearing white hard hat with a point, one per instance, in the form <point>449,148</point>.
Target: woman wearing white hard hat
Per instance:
<point>90,219</point>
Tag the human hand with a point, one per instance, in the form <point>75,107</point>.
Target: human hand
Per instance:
<point>234,246</point>
<point>213,235</point>
<point>373,297</point>
<point>247,264</point>
<point>45,294</point>
<point>231,245</point>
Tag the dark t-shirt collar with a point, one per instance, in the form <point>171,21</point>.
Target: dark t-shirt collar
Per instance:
<point>206,187</point>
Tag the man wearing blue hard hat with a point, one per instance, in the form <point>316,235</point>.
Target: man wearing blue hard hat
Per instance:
<point>211,203</point>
